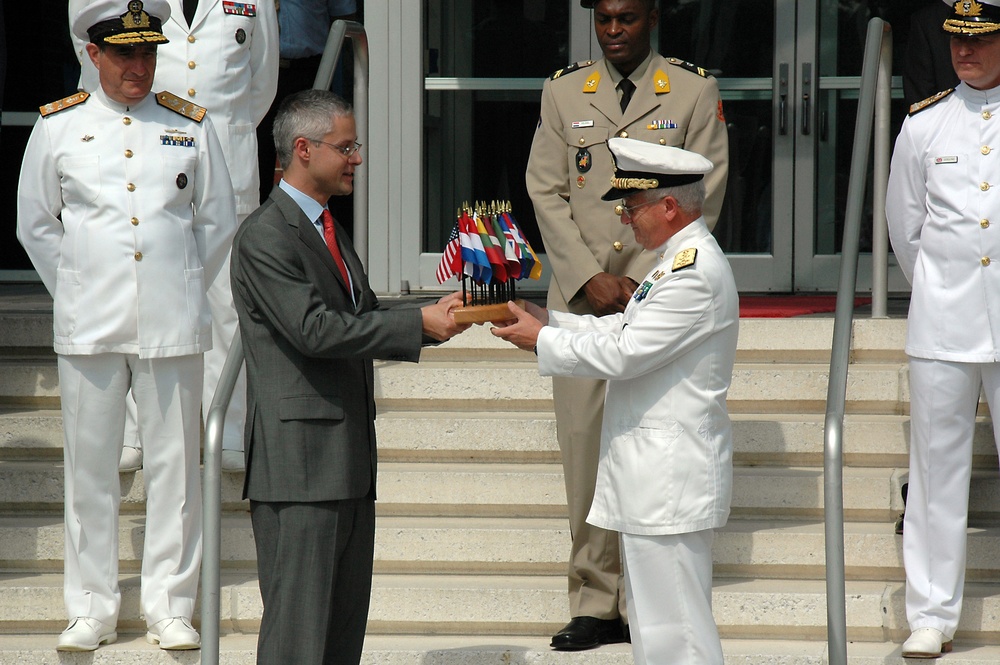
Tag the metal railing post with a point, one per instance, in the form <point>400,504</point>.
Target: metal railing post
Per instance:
<point>880,230</point>
<point>836,397</point>
<point>324,76</point>
<point>211,488</point>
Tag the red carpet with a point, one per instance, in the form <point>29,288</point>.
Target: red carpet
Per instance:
<point>776,307</point>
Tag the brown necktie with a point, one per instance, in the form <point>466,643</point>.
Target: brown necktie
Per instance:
<point>331,242</point>
<point>627,88</point>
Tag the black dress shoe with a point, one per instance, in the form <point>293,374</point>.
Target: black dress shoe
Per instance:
<point>587,633</point>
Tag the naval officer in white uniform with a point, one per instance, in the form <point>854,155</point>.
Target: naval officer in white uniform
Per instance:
<point>665,473</point>
<point>943,208</point>
<point>125,208</point>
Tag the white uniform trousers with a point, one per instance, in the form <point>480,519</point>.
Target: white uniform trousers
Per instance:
<point>168,396</point>
<point>668,592</point>
<point>224,325</point>
<point>943,400</point>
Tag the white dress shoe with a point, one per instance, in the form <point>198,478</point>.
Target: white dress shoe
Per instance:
<point>233,460</point>
<point>131,459</point>
<point>926,643</point>
<point>174,633</point>
<point>85,634</point>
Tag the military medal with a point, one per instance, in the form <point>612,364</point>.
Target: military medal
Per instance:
<point>182,180</point>
<point>642,291</point>
<point>241,36</point>
<point>583,162</point>
<point>239,8</point>
<point>661,124</point>
<point>174,139</point>
<point>581,181</point>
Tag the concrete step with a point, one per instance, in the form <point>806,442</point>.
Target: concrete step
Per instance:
<point>530,436</point>
<point>530,546</point>
<point>236,649</point>
<point>535,605</point>
<point>533,490</point>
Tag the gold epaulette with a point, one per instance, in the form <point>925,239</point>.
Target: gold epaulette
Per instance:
<point>64,103</point>
<point>704,73</point>
<point>572,68</point>
<point>930,101</point>
<point>182,106</point>
<point>684,259</point>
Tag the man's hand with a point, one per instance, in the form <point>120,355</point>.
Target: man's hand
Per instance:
<point>522,328</point>
<point>438,320</point>
<point>607,293</point>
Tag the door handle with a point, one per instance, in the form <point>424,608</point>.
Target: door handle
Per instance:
<point>783,98</point>
<point>806,98</point>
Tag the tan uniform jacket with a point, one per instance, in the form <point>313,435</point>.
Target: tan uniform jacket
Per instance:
<point>570,167</point>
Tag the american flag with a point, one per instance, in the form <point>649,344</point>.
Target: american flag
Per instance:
<point>451,259</point>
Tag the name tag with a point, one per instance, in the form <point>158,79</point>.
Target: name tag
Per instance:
<point>949,159</point>
<point>580,124</point>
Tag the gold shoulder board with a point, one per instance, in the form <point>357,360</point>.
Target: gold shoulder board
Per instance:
<point>572,68</point>
<point>690,67</point>
<point>930,101</point>
<point>64,103</point>
<point>684,259</point>
<point>182,106</point>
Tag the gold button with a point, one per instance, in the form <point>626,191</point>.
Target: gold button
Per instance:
<point>984,186</point>
<point>985,223</point>
<point>127,120</point>
<point>191,64</point>
<point>191,92</point>
<point>190,39</point>
<point>138,256</point>
<point>128,154</point>
<point>618,246</point>
<point>663,141</point>
<point>987,115</point>
<point>130,187</point>
<point>985,260</point>
<point>135,221</point>
<point>582,140</point>
<point>985,150</point>
<point>619,209</point>
<point>623,134</point>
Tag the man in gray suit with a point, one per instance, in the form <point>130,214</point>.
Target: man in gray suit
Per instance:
<point>311,326</point>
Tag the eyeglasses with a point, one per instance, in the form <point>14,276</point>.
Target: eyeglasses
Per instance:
<point>623,210</point>
<point>346,152</point>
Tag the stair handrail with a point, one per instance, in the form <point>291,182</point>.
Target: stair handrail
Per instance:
<point>876,57</point>
<point>211,587</point>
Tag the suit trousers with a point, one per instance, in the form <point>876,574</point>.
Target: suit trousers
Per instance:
<point>944,397</point>
<point>224,324</point>
<point>314,562</point>
<point>168,394</point>
<point>668,583</point>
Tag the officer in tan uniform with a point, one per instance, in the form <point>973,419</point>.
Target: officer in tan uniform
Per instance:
<point>631,92</point>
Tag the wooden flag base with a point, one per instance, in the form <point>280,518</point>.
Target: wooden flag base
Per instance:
<point>484,313</point>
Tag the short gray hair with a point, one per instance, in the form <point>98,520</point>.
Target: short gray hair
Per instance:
<point>690,197</point>
<point>308,114</point>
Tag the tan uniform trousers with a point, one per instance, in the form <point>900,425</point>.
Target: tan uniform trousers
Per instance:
<point>596,587</point>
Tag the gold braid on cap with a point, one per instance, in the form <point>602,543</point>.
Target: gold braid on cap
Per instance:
<point>634,183</point>
<point>957,26</point>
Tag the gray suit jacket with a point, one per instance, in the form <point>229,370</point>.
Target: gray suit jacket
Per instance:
<point>310,429</point>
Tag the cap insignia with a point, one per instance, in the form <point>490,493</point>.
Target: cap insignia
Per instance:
<point>968,8</point>
<point>684,259</point>
<point>135,17</point>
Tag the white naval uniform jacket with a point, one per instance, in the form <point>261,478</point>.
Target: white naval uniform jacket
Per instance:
<point>943,209</point>
<point>127,215</point>
<point>226,61</point>
<point>666,441</point>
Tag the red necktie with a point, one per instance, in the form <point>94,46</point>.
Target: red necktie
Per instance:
<point>331,242</point>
